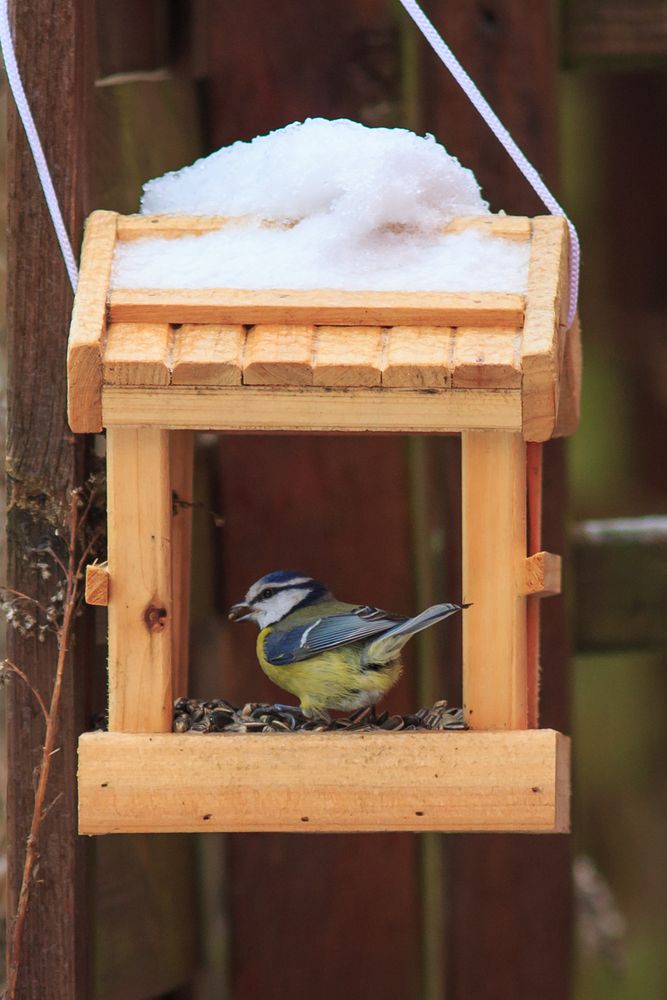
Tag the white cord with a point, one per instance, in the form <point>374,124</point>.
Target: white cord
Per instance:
<point>473,93</point>
<point>23,108</point>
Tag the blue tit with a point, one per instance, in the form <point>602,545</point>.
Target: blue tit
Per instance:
<point>328,653</point>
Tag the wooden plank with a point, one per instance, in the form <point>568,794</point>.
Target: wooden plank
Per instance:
<point>207,355</point>
<point>569,399</point>
<point>181,464</point>
<point>97,584</point>
<point>418,357</point>
<point>320,483</point>
<point>278,355</point>
<point>43,463</point>
<point>320,306</point>
<point>137,354</point>
<point>139,507</point>
<point>144,923</point>
<point>502,943</point>
<point>544,327</point>
<point>508,227</point>
<point>324,782</point>
<point>494,553</point>
<point>486,359</point>
<point>543,574</point>
<point>606,29</point>
<point>87,329</point>
<point>166,227</point>
<point>348,357</point>
<point>171,227</point>
<point>313,409</point>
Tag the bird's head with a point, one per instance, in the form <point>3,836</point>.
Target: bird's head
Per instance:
<point>275,595</point>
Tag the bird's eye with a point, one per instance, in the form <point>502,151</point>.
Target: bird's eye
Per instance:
<point>267,593</point>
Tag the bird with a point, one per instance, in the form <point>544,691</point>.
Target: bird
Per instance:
<point>330,654</point>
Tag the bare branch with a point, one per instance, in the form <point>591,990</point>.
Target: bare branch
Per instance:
<point>8,665</point>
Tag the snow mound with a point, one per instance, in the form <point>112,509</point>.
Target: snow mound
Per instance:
<point>324,204</point>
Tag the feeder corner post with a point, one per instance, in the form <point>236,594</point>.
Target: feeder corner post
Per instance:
<point>494,568</point>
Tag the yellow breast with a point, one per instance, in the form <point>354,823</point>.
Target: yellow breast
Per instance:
<point>334,679</point>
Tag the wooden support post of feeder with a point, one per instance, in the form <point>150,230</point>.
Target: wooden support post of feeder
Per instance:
<point>494,565</point>
<point>140,600</point>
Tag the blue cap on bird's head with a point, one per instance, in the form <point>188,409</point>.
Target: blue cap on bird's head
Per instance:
<point>275,595</point>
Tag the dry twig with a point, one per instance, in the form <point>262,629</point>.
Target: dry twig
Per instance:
<point>73,571</point>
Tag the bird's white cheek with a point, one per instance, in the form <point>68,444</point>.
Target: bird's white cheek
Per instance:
<point>278,606</point>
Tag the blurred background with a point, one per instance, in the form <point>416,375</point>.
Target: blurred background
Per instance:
<point>582,86</point>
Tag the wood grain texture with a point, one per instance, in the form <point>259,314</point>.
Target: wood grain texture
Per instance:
<point>43,463</point>
<point>323,306</point>
<point>137,354</point>
<point>167,227</point>
<point>509,227</point>
<point>544,326</point>
<point>264,408</point>
<point>418,357</point>
<point>278,355</point>
<point>139,503</point>
<point>88,326</point>
<point>97,584</point>
<point>324,782</point>
<point>543,574</point>
<point>133,227</point>
<point>207,355</point>
<point>494,555</point>
<point>181,470</point>
<point>486,359</point>
<point>348,357</point>
<point>569,400</point>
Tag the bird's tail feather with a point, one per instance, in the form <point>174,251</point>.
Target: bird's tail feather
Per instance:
<point>383,649</point>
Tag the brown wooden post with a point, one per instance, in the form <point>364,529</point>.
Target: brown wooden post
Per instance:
<point>335,507</point>
<point>509,930</point>
<point>54,46</point>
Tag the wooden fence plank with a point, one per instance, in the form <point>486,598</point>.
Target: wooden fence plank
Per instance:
<point>144,939</point>
<point>620,573</point>
<point>43,464</point>
<point>613,29</point>
<point>509,932</point>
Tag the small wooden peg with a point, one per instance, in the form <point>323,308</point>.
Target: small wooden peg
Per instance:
<point>97,584</point>
<point>543,574</point>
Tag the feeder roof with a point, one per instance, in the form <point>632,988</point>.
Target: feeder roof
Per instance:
<point>323,360</point>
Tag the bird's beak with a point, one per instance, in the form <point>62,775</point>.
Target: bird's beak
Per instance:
<point>239,612</point>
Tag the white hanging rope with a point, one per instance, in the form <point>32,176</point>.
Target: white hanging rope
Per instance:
<point>474,95</point>
<point>23,108</point>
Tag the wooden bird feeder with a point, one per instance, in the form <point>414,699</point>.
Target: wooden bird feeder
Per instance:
<point>152,366</point>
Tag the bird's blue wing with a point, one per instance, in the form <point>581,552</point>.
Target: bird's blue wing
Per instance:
<point>311,638</point>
